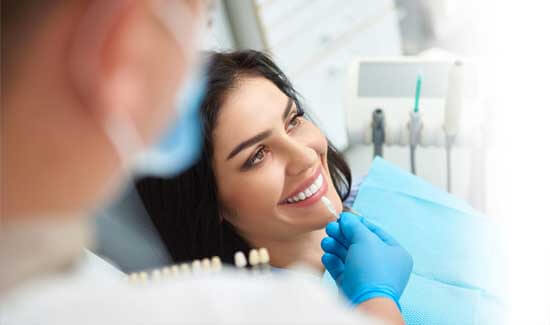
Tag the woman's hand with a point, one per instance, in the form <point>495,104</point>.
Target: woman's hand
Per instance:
<point>364,261</point>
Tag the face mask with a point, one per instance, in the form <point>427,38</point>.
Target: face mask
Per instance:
<point>181,143</point>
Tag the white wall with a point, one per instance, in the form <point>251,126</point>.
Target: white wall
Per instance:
<point>314,40</point>
<point>219,35</point>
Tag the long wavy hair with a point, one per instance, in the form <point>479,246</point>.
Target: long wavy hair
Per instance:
<point>186,209</point>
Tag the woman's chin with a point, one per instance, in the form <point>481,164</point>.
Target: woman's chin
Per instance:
<point>313,223</point>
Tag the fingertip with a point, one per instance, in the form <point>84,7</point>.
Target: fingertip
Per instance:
<point>347,219</point>
<point>332,228</point>
<point>325,243</point>
<point>326,259</point>
<point>330,260</point>
<point>346,216</point>
<point>333,265</point>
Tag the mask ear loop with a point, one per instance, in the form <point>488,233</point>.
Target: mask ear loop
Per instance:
<point>125,139</point>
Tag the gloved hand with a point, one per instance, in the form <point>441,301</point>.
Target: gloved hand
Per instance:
<point>364,261</point>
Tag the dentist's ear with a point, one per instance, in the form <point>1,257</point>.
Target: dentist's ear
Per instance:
<point>95,66</point>
<point>126,66</point>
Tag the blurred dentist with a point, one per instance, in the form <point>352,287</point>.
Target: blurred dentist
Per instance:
<point>87,87</point>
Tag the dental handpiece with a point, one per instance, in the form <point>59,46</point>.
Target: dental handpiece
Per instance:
<point>453,108</point>
<point>415,125</point>
<point>378,132</point>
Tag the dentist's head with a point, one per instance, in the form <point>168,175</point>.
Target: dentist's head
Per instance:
<point>88,87</point>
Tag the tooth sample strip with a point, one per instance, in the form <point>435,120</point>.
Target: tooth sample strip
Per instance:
<point>257,258</point>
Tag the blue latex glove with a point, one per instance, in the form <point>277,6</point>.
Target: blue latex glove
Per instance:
<point>364,261</point>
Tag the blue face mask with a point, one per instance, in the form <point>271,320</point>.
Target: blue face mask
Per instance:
<point>181,144</point>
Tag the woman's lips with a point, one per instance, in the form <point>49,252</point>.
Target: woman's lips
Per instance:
<point>313,198</point>
<point>305,185</point>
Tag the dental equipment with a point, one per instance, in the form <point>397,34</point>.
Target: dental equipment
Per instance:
<point>453,108</point>
<point>264,260</point>
<point>258,260</point>
<point>254,260</point>
<point>378,132</point>
<point>415,125</point>
<point>240,260</point>
<point>216,264</point>
<point>330,207</point>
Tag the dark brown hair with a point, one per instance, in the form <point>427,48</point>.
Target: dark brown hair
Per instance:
<point>185,209</point>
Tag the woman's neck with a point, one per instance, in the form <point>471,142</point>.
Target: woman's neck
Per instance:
<point>304,249</point>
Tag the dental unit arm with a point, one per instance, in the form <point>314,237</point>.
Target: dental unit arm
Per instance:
<point>453,109</point>
<point>378,132</point>
<point>415,125</point>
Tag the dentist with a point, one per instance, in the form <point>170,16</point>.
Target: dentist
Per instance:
<point>88,86</point>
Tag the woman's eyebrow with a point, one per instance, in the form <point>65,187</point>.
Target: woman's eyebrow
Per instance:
<point>245,144</point>
<point>257,138</point>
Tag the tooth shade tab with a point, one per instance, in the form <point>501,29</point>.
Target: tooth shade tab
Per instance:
<point>205,264</point>
<point>196,266</point>
<point>216,263</point>
<point>240,259</point>
<point>264,255</point>
<point>184,268</point>
<point>253,257</point>
<point>329,206</point>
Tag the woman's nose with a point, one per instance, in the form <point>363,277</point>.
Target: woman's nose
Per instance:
<point>300,158</point>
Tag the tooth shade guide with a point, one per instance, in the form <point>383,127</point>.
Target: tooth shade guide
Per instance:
<point>329,206</point>
<point>216,263</point>
<point>264,255</point>
<point>259,260</point>
<point>184,268</point>
<point>240,260</point>
<point>196,266</point>
<point>156,275</point>
<point>143,275</point>
<point>175,270</point>
<point>253,257</point>
<point>205,264</point>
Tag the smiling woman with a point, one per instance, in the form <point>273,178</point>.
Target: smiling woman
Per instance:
<point>263,170</point>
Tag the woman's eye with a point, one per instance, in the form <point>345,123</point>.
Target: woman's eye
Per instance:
<point>257,157</point>
<point>294,122</point>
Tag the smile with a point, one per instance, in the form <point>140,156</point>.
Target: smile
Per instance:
<point>312,192</point>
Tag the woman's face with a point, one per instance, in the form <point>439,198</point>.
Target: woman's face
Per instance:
<point>270,164</point>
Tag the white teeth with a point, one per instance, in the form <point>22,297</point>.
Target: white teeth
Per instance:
<point>319,181</point>
<point>311,190</point>
<point>314,188</point>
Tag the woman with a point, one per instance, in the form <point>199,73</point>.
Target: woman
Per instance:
<point>263,170</point>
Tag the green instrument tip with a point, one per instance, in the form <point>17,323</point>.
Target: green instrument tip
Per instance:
<point>417,96</point>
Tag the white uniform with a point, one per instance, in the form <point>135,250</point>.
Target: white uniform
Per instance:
<point>96,294</point>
